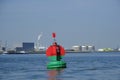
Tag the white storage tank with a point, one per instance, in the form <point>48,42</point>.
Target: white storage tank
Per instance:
<point>91,48</point>
<point>84,48</point>
<point>76,48</point>
<point>88,48</point>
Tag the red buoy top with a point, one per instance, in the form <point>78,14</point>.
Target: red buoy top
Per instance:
<point>53,35</point>
<point>52,50</point>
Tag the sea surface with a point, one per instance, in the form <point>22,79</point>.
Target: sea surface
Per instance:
<point>80,66</point>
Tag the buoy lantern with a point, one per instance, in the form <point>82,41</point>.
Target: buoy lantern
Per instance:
<point>55,53</point>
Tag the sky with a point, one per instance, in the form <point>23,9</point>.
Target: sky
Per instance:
<point>75,22</point>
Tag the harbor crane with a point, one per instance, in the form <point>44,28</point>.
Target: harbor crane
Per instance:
<point>38,45</point>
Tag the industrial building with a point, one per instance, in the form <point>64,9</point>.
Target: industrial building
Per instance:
<point>83,48</point>
<point>26,46</point>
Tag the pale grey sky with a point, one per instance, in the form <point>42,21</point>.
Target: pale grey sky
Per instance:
<point>76,22</point>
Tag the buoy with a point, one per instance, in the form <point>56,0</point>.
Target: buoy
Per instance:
<point>55,53</point>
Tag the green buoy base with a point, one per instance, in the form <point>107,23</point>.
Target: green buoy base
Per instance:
<point>56,65</point>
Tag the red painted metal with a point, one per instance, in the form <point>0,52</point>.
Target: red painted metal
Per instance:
<point>53,35</point>
<point>52,50</point>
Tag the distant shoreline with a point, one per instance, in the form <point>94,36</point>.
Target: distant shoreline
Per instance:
<point>77,52</point>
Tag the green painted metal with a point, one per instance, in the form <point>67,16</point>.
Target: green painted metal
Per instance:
<point>56,64</point>
<point>54,58</point>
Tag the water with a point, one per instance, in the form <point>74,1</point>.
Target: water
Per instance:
<point>80,66</point>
